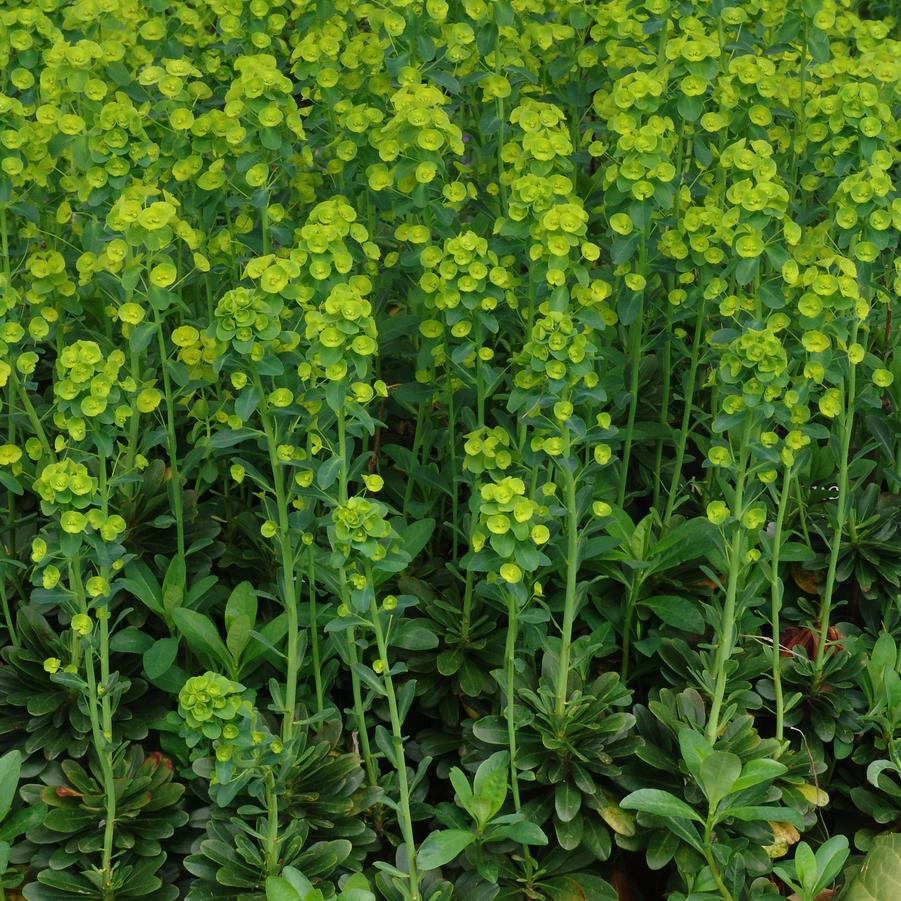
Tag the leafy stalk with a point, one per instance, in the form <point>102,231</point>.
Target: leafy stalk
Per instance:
<point>841,508</point>
<point>687,409</point>
<point>572,570</point>
<point>776,590</point>
<point>101,733</point>
<point>510,680</point>
<point>353,657</point>
<point>636,333</point>
<point>404,814</point>
<point>171,441</point>
<point>288,557</point>
<point>726,637</point>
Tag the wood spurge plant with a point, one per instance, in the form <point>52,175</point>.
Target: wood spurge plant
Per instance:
<point>450,449</point>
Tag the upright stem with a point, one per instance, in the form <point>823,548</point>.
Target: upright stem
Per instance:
<point>501,188</point>
<point>171,441</point>
<point>636,330</point>
<point>510,671</point>
<point>776,602</point>
<point>406,820</point>
<point>480,379</point>
<point>452,448</point>
<point>627,625</point>
<point>417,445</point>
<point>12,519</point>
<point>725,643</point>
<point>353,657</point>
<point>288,559</point>
<point>272,842</point>
<point>671,284</point>
<point>688,406</point>
<point>802,516</point>
<point>714,868</point>
<point>31,413</point>
<point>664,405</point>
<point>7,615</point>
<point>467,605</point>
<point>17,389</point>
<point>314,632</point>
<point>840,514</point>
<point>572,571</point>
<point>102,736</point>
<point>134,422</point>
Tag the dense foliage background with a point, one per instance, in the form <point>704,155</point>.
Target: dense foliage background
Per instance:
<point>449,449</point>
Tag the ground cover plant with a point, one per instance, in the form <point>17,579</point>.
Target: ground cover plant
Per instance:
<point>450,449</point>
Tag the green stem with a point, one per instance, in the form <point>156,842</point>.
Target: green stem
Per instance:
<point>664,407</point>
<point>688,406</point>
<point>480,379</point>
<point>7,615</point>
<point>272,843</point>
<point>467,606</point>
<point>501,188</point>
<point>840,514</point>
<point>31,413</point>
<point>572,570</point>
<point>171,441</point>
<point>726,642</point>
<point>714,868</point>
<point>636,330</point>
<point>510,671</point>
<point>13,523</point>
<point>353,657</point>
<point>404,815</point>
<point>671,284</point>
<point>628,616</point>
<point>802,516</point>
<point>17,388</point>
<point>417,445</point>
<point>776,588</point>
<point>314,633</point>
<point>288,559</point>
<point>134,423</point>
<point>102,742</point>
<point>452,448</point>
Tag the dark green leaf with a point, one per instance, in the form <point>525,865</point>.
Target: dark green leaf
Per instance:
<point>160,657</point>
<point>201,636</point>
<point>662,803</point>
<point>442,847</point>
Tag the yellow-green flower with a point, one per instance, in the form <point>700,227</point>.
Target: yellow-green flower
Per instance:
<point>511,573</point>
<point>718,512</point>
<point>749,246</point>
<point>148,399</point>
<point>753,518</point>
<point>185,336</point>
<point>131,313</point>
<point>82,624</point>
<point>9,453</point>
<point>719,456</point>
<point>373,482</point>
<point>831,403</point>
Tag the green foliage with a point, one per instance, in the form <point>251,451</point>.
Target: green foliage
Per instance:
<point>449,449</point>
